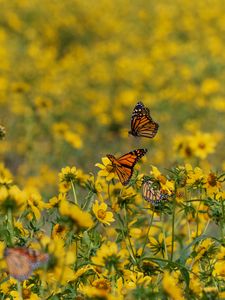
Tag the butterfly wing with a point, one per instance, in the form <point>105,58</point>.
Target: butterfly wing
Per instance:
<point>21,261</point>
<point>124,165</point>
<point>151,194</point>
<point>142,123</point>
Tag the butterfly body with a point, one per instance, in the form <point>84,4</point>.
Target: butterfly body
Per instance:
<point>22,261</point>
<point>123,166</point>
<point>142,124</point>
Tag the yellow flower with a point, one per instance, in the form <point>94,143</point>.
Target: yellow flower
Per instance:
<point>110,257</point>
<point>202,144</point>
<point>160,245</point>
<point>43,105</point>
<point>61,260</point>
<point>202,248</point>
<point>100,288</point>
<point>212,184</point>
<point>171,287</point>
<point>54,201</point>
<point>35,202</point>
<point>135,278</point>
<point>12,199</point>
<point>101,213</point>
<point>82,219</point>
<point>106,169</point>
<point>68,174</point>
<point>194,176</point>
<point>73,139</point>
<point>5,176</point>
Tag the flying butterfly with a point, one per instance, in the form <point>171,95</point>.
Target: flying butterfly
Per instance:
<point>22,261</point>
<point>152,194</point>
<point>124,165</point>
<point>142,124</point>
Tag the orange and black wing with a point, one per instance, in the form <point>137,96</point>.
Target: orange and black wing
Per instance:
<point>149,193</point>
<point>152,194</point>
<point>124,165</point>
<point>21,261</point>
<point>141,122</point>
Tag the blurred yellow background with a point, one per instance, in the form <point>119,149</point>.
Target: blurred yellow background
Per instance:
<point>71,72</point>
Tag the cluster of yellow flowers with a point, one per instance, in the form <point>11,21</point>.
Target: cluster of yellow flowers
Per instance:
<point>71,72</point>
<point>105,241</point>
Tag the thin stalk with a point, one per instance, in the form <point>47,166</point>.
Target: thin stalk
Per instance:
<point>109,192</point>
<point>222,223</point>
<point>128,249</point>
<point>10,226</point>
<point>128,237</point>
<point>76,249</point>
<point>19,289</point>
<point>149,227</point>
<point>197,222</point>
<point>74,193</point>
<point>164,238</point>
<point>173,222</point>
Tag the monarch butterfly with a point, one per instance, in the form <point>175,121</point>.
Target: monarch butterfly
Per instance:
<point>123,166</point>
<point>21,261</point>
<point>151,193</point>
<point>142,123</point>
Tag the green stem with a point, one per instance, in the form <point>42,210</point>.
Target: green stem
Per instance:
<point>222,223</point>
<point>76,249</point>
<point>149,227</point>
<point>10,226</point>
<point>74,193</point>
<point>19,289</point>
<point>164,238</point>
<point>128,237</point>
<point>128,249</point>
<point>173,222</point>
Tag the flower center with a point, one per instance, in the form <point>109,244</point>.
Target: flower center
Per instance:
<point>201,145</point>
<point>101,214</point>
<point>212,179</point>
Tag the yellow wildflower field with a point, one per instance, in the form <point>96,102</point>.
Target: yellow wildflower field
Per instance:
<point>87,210</point>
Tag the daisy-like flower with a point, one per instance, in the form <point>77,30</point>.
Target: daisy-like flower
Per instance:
<point>203,248</point>
<point>166,185</point>
<point>183,147</point>
<point>101,213</point>
<point>194,176</point>
<point>106,169</point>
<point>219,266</point>
<point>110,257</point>
<point>212,184</point>
<point>171,287</point>
<point>61,260</point>
<point>160,245</point>
<point>54,201</point>
<point>68,174</point>
<point>73,139</point>
<point>35,202</point>
<point>100,288</point>
<point>202,144</point>
<point>82,219</point>
<point>5,176</point>
<point>136,278</point>
<point>12,199</point>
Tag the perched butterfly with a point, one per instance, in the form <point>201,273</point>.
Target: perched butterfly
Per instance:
<point>123,166</point>
<point>152,194</point>
<point>142,123</point>
<point>21,261</point>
